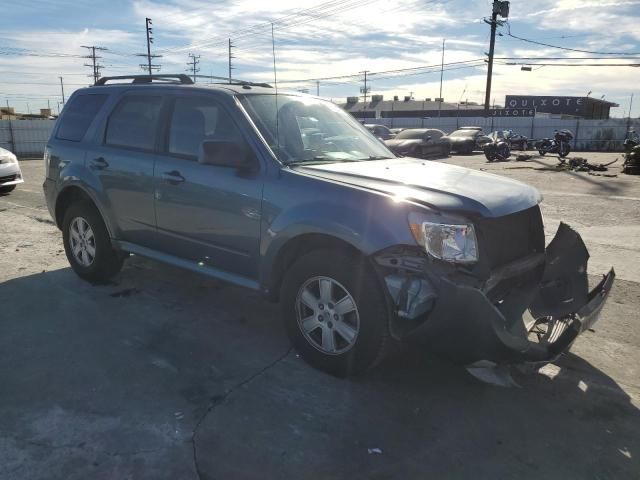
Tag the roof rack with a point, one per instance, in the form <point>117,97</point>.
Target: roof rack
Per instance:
<point>225,80</point>
<point>168,78</point>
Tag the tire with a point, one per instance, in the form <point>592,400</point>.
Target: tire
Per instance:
<point>103,261</point>
<point>564,150</point>
<point>368,319</point>
<point>542,153</point>
<point>7,189</point>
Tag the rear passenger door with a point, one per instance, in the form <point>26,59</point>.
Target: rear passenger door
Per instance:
<point>206,213</point>
<point>124,164</point>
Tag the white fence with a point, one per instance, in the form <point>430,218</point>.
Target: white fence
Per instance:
<point>28,137</point>
<point>25,138</point>
<point>601,135</point>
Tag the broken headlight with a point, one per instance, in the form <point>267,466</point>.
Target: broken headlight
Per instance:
<point>455,243</point>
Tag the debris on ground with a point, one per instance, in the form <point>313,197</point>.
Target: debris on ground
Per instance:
<point>374,451</point>
<point>580,164</point>
<point>523,157</point>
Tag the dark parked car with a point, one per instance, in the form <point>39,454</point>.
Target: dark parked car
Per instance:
<point>362,249</point>
<point>380,131</point>
<point>467,140</point>
<point>420,143</point>
<point>515,140</point>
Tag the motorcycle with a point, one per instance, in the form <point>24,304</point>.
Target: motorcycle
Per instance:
<point>497,149</point>
<point>631,163</point>
<point>558,144</point>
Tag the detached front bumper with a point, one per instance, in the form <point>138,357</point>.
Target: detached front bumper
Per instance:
<point>529,311</point>
<point>10,174</point>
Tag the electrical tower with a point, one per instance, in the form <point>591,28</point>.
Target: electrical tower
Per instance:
<point>194,60</point>
<point>231,57</point>
<point>500,8</point>
<point>365,90</point>
<point>150,67</point>
<point>94,65</point>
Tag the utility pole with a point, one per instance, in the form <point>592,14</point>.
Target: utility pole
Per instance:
<point>441,75</point>
<point>193,64</point>
<point>500,8</point>
<point>365,90</point>
<point>150,67</point>
<point>231,57</point>
<point>62,89</point>
<point>95,66</point>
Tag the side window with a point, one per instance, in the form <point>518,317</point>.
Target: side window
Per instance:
<point>134,122</point>
<point>196,119</point>
<point>78,116</point>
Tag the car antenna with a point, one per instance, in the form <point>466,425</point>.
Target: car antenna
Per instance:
<point>275,84</point>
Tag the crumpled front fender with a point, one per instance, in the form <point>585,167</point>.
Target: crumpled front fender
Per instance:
<point>469,327</point>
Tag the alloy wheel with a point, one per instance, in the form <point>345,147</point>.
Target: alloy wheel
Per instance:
<point>83,242</point>
<point>327,315</point>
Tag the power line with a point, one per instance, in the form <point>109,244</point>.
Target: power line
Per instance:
<point>565,48</point>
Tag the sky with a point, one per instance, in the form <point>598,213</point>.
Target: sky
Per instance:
<point>42,40</point>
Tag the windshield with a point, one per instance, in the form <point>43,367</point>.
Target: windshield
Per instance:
<point>411,134</point>
<point>307,129</point>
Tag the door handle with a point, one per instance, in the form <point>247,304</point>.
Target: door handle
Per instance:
<point>99,163</point>
<point>173,177</point>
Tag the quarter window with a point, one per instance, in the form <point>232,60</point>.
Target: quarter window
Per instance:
<point>134,122</point>
<point>196,119</point>
<point>78,115</point>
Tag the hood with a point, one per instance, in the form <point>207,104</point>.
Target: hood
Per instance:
<point>402,144</point>
<point>438,185</point>
<point>461,139</point>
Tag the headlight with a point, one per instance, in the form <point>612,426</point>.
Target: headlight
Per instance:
<point>455,243</point>
<point>8,159</point>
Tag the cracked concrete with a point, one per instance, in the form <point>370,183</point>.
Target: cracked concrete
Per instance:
<point>168,375</point>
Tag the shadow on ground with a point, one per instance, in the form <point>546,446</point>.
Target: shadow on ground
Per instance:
<point>167,375</point>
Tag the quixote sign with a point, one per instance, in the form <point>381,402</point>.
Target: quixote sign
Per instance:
<point>547,104</point>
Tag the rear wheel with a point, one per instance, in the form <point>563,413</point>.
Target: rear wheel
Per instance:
<point>564,150</point>
<point>7,189</point>
<point>88,245</point>
<point>334,312</point>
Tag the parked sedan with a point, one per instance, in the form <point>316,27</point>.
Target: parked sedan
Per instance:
<point>10,173</point>
<point>380,131</point>
<point>420,143</point>
<point>466,140</point>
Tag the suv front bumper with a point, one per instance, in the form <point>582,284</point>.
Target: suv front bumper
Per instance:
<point>529,311</point>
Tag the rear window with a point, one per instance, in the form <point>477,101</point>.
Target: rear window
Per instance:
<point>78,115</point>
<point>134,122</point>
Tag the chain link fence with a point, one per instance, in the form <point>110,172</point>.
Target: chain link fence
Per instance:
<point>25,138</point>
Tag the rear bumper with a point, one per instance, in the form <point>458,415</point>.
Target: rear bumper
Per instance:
<point>530,311</point>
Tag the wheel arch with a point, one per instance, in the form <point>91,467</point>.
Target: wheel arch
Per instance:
<point>298,246</point>
<point>74,193</point>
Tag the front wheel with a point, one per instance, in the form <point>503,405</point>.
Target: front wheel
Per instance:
<point>564,150</point>
<point>88,245</point>
<point>334,312</point>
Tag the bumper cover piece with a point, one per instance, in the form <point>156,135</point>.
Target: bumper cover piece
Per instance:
<point>466,325</point>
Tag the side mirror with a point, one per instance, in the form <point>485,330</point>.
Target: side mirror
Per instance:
<point>225,153</point>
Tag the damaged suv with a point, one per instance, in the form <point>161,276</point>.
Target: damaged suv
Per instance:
<point>288,194</point>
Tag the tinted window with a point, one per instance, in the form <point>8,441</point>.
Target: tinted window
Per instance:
<point>134,122</point>
<point>195,119</point>
<point>78,115</point>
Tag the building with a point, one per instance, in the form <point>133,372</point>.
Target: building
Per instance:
<point>563,107</point>
<point>408,107</point>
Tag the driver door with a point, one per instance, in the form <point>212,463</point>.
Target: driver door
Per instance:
<point>206,213</point>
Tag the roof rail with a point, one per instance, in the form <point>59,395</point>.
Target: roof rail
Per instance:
<point>167,78</point>
<point>233,81</point>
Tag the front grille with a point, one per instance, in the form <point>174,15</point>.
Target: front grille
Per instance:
<point>8,178</point>
<point>504,239</point>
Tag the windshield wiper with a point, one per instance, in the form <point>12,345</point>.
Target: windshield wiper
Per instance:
<point>320,159</point>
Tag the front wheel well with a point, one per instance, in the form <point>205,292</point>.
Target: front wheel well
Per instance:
<point>296,248</point>
<point>68,197</point>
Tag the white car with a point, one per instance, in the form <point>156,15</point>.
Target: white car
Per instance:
<point>10,173</point>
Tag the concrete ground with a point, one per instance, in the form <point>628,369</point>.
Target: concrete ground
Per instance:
<point>168,375</point>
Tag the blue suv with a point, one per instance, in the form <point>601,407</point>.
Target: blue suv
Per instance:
<point>288,194</point>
